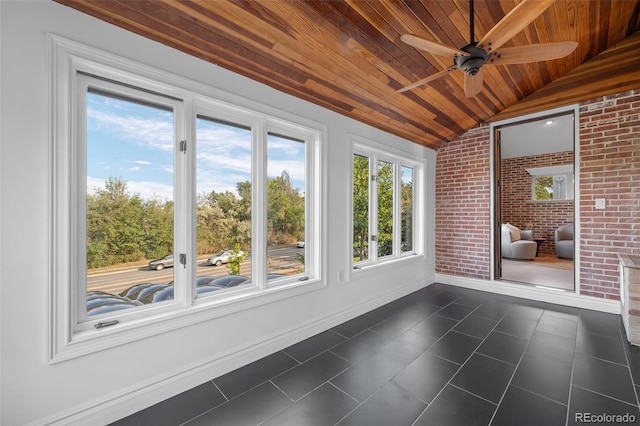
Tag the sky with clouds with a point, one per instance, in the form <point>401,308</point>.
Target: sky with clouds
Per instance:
<point>134,142</point>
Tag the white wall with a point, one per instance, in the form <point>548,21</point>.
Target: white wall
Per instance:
<point>105,386</point>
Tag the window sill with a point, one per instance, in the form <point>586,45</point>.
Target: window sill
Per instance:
<point>365,268</point>
<point>202,310</point>
<point>571,200</point>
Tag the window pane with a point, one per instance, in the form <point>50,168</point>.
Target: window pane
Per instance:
<point>543,187</point>
<point>385,208</point>
<point>129,202</point>
<point>406,243</point>
<point>285,206</point>
<point>360,208</point>
<point>223,209</point>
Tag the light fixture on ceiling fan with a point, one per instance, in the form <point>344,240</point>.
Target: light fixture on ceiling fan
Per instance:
<point>474,55</point>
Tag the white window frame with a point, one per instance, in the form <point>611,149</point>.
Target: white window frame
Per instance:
<point>78,182</point>
<point>72,335</point>
<point>377,152</point>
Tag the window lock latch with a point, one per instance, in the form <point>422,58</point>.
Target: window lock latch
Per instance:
<point>106,324</point>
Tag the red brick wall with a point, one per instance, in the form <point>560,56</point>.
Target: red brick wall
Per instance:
<point>609,168</point>
<point>520,210</point>
<point>463,202</point>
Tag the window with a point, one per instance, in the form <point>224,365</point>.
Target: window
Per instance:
<point>223,205</point>
<point>285,206</point>
<point>384,206</point>
<point>552,183</point>
<point>407,208</point>
<point>126,203</point>
<point>385,195</point>
<point>171,205</point>
<point>361,180</point>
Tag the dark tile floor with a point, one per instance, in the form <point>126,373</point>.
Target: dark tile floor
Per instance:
<point>440,356</point>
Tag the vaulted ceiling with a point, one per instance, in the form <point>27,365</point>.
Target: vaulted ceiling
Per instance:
<point>347,55</point>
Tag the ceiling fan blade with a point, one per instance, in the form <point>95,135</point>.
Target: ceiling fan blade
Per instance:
<point>428,79</point>
<point>473,84</point>
<point>532,53</point>
<point>431,46</point>
<point>513,22</point>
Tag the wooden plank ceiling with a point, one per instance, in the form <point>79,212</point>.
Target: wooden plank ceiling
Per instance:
<point>347,55</point>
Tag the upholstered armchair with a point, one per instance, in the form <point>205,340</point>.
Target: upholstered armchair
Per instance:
<point>564,241</point>
<point>517,244</point>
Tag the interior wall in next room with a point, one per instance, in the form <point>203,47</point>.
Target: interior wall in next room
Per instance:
<point>518,207</point>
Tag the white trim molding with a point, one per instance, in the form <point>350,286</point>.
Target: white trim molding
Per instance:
<point>112,407</point>
<point>531,292</point>
<point>66,261</point>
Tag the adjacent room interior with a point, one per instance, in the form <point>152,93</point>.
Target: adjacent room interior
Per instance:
<point>537,188</point>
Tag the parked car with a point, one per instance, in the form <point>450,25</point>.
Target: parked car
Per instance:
<point>207,289</point>
<point>300,244</point>
<point>108,308</point>
<point>147,295</point>
<point>229,281</point>
<point>222,257</point>
<point>269,278</point>
<point>164,294</point>
<point>133,291</point>
<point>204,280</point>
<point>159,264</point>
<point>167,293</point>
<point>99,302</point>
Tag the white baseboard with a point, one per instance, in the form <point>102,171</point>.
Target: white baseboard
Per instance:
<point>128,401</point>
<point>558,297</point>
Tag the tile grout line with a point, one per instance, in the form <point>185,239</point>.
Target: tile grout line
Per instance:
<point>471,393</point>
<point>541,396</point>
<point>474,352</point>
<point>219,390</point>
<point>506,389</point>
<point>573,368</point>
<point>461,365</point>
<point>627,350</point>
<point>606,396</point>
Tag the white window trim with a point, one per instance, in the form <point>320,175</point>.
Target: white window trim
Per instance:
<point>78,174</point>
<point>376,152</point>
<point>66,57</point>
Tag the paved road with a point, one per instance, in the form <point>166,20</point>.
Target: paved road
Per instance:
<point>115,282</point>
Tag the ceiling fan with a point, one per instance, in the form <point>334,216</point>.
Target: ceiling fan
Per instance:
<point>474,55</point>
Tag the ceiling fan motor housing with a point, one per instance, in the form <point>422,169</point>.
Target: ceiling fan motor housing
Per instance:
<point>471,64</point>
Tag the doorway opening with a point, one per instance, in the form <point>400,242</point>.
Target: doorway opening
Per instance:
<point>534,186</point>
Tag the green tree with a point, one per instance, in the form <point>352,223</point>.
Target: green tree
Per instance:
<point>115,231</point>
<point>244,191</point>
<point>235,260</point>
<point>285,210</point>
<point>223,220</point>
<point>407,216</point>
<point>385,208</point>
<point>158,228</point>
<point>544,187</point>
<point>360,206</point>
